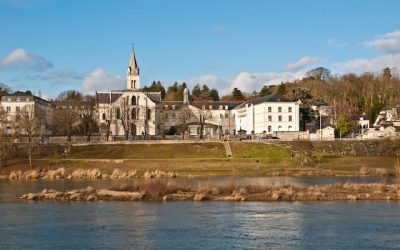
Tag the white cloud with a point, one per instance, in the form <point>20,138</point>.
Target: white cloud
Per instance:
<point>248,82</point>
<point>21,59</point>
<point>361,65</point>
<point>245,81</point>
<point>101,80</point>
<point>388,43</point>
<point>301,63</point>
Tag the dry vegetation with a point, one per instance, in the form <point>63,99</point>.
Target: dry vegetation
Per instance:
<point>164,191</point>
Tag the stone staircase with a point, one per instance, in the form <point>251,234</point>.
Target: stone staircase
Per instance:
<point>228,150</point>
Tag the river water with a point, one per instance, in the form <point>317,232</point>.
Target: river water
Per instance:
<point>195,225</point>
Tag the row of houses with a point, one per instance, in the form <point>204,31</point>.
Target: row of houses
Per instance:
<point>132,113</point>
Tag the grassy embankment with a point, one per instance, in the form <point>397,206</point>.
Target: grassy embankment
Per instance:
<point>204,159</point>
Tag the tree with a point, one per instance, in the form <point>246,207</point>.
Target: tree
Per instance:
<point>237,94</point>
<point>6,137</point>
<point>66,119</point>
<point>155,87</point>
<point>344,124</point>
<point>196,91</point>
<point>4,89</point>
<point>266,90</point>
<point>123,113</point>
<point>204,115</point>
<point>87,116</point>
<point>214,95</point>
<point>302,94</point>
<point>30,127</point>
<point>281,89</point>
<point>70,95</point>
<point>319,73</point>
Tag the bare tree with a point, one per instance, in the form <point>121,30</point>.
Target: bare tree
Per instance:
<point>87,116</point>
<point>6,138</point>
<point>124,114</point>
<point>204,115</point>
<point>65,120</point>
<point>184,116</point>
<point>29,126</point>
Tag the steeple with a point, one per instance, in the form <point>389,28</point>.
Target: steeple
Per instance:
<point>133,73</point>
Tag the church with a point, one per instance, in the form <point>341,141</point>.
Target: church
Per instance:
<point>130,112</point>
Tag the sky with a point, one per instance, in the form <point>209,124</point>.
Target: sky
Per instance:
<point>49,46</point>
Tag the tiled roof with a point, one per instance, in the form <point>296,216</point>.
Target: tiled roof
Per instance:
<point>268,98</point>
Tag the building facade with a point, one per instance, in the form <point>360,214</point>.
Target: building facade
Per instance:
<point>21,104</point>
<point>268,114</point>
<point>129,112</point>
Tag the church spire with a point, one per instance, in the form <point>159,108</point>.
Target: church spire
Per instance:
<point>133,66</point>
<point>133,74</point>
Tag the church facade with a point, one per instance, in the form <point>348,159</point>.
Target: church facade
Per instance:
<point>129,112</point>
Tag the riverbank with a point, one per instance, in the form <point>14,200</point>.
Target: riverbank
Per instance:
<point>337,158</point>
<point>163,191</point>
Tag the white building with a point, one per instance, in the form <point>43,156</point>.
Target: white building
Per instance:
<point>268,114</point>
<point>39,110</point>
<point>129,111</point>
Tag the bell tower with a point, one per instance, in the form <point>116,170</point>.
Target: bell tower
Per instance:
<point>133,73</point>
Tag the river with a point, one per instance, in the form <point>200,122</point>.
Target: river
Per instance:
<point>195,225</point>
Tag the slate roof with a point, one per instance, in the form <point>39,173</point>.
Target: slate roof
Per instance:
<point>111,97</point>
<point>268,98</point>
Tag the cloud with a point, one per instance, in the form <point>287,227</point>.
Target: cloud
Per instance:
<point>101,80</point>
<point>245,81</point>
<point>21,59</point>
<point>301,63</point>
<point>361,65</point>
<point>388,43</point>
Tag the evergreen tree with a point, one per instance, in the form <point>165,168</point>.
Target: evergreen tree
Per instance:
<point>266,90</point>
<point>237,94</point>
<point>281,89</point>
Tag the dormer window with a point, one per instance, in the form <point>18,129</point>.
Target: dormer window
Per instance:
<point>203,107</point>
<point>18,99</point>
<point>165,106</point>
<point>173,106</point>
<point>226,107</point>
<point>210,107</point>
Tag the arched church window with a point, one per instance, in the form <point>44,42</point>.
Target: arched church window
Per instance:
<point>133,100</point>
<point>133,114</point>
<point>131,84</point>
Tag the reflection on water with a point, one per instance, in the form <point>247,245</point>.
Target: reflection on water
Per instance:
<point>195,225</point>
<point>200,225</point>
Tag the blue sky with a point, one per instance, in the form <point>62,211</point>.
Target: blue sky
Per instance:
<point>55,45</point>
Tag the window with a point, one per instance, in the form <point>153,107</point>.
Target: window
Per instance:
<point>279,109</point>
<point>290,109</point>
<point>17,118</point>
<point>280,118</point>
<point>166,116</point>
<point>165,106</point>
<point>118,113</point>
<point>269,109</point>
<point>269,129</point>
<point>18,99</point>
<point>137,100</point>
<point>210,107</point>
<point>104,116</point>
<point>8,109</point>
<point>133,101</point>
<point>148,114</point>
<point>131,84</point>
<point>17,109</point>
<point>289,128</point>
<point>27,99</point>
<point>220,116</point>
<point>226,115</point>
<point>279,128</point>
<point>290,118</point>
<point>270,118</point>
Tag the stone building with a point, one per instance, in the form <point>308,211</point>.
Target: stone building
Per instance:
<point>129,112</point>
<point>25,104</point>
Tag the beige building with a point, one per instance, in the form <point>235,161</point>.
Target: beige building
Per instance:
<point>39,110</point>
<point>129,112</point>
<point>212,119</point>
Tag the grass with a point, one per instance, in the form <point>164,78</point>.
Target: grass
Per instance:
<point>202,159</point>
